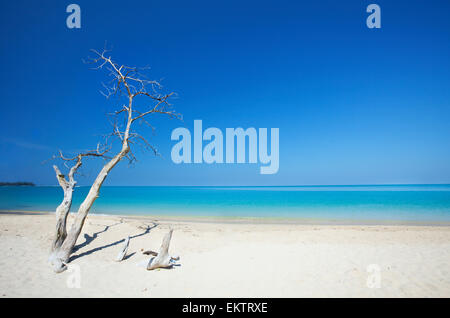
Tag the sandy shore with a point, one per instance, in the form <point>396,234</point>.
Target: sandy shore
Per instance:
<point>228,260</point>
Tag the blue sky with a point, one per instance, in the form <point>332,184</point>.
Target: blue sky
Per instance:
<point>354,105</point>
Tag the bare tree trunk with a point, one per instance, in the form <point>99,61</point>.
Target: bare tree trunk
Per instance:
<point>62,211</point>
<point>61,219</point>
<point>64,208</point>
<point>61,254</point>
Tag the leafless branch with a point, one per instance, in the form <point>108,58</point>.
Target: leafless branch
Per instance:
<point>131,82</point>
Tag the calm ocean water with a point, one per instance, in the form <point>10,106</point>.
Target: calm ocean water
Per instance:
<point>405,202</point>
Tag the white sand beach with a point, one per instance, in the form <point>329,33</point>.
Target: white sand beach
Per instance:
<point>227,259</point>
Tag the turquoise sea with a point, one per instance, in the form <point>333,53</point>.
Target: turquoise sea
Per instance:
<point>389,202</point>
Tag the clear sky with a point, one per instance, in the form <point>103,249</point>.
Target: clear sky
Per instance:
<point>354,105</point>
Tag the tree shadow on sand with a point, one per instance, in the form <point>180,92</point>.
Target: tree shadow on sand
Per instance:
<point>89,239</point>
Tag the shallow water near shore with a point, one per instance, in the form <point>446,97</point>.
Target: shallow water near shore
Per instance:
<point>422,203</point>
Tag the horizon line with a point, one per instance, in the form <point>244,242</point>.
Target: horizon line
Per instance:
<point>267,186</point>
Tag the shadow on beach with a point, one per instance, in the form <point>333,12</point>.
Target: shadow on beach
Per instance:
<point>89,239</point>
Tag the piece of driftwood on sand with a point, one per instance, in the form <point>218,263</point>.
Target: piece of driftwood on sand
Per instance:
<point>123,251</point>
<point>163,259</point>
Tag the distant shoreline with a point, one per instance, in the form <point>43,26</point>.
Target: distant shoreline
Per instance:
<point>15,184</point>
<point>263,186</point>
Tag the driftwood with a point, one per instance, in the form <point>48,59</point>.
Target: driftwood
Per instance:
<point>124,250</point>
<point>150,253</point>
<point>163,259</point>
<point>153,253</point>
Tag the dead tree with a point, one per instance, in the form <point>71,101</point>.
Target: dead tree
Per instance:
<point>128,83</point>
<point>68,185</point>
